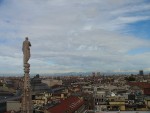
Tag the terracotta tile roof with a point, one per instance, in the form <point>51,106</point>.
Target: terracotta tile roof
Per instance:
<point>142,85</point>
<point>68,105</point>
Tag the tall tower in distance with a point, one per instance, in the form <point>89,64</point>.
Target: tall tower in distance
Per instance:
<point>26,96</point>
<point>141,72</point>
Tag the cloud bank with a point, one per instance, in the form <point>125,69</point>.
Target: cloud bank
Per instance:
<point>73,35</point>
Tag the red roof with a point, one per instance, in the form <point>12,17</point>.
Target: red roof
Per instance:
<point>142,85</point>
<point>147,91</point>
<point>70,105</point>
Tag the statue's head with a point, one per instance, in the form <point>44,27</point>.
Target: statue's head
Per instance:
<point>26,38</point>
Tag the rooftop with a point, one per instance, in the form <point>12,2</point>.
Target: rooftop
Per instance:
<point>140,84</point>
<point>68,105</point>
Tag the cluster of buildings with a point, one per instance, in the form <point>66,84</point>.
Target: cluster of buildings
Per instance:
<point>78,94</point>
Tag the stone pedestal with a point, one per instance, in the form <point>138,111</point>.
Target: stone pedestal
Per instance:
<point>26,97</point>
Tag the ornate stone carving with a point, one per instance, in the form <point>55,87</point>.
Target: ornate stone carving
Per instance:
<point>26,97</point>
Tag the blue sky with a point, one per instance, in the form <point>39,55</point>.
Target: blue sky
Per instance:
<point>140,29</point>
<point>75,35</point>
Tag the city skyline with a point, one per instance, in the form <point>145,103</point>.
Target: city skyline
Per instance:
<point>75,36</point>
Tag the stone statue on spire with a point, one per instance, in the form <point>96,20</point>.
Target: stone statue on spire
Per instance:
<point>26,50</point>
<point>26,96</point>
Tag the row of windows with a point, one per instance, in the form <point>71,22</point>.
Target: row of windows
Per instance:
<point>99,100</point>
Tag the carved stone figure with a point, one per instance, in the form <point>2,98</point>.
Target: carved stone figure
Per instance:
<point>26,50</point>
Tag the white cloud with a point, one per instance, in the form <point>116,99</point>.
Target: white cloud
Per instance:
<point>72,35</point>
